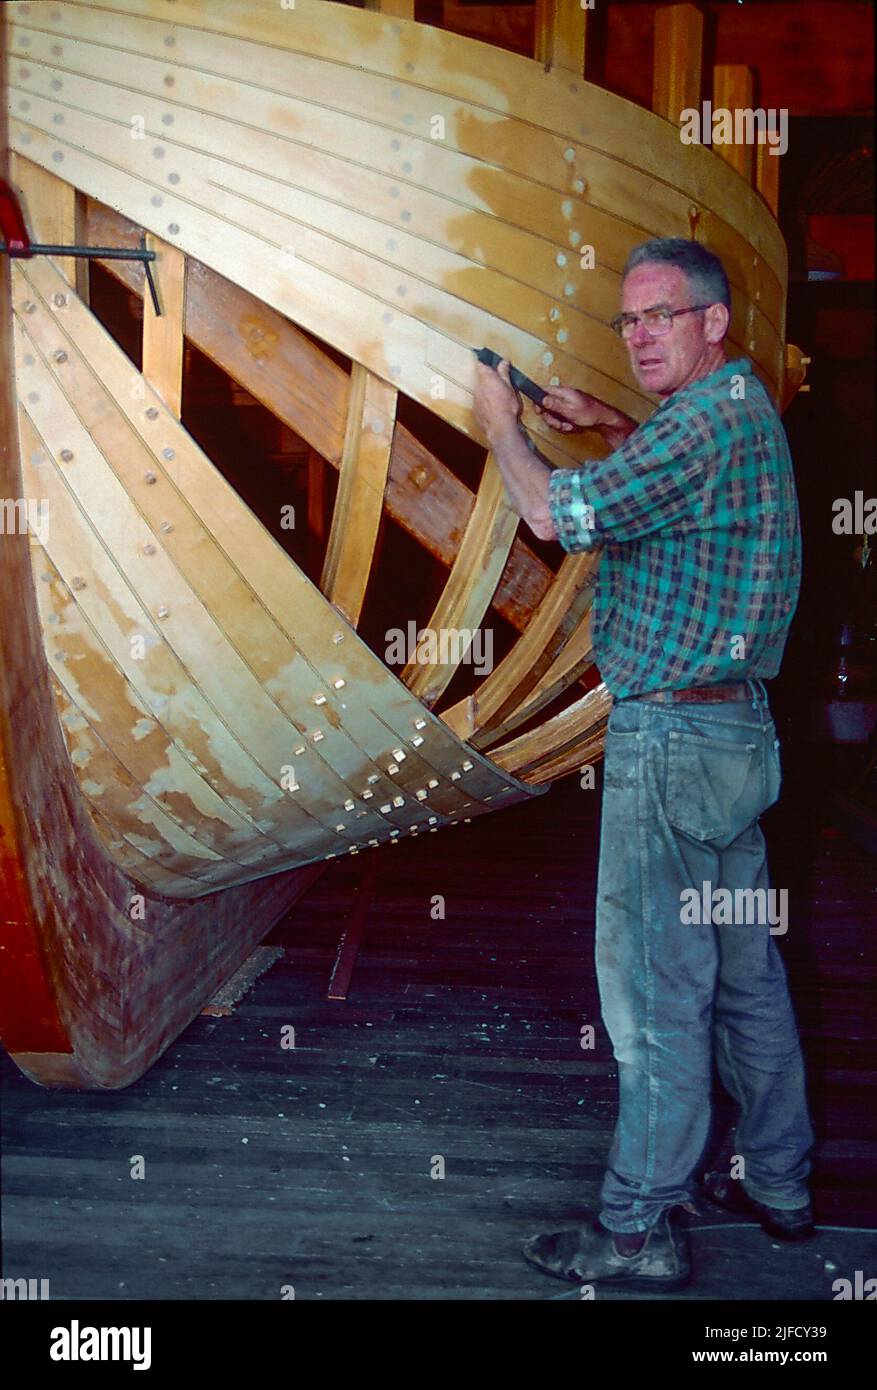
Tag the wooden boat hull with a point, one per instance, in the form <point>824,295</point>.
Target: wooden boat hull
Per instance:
<point>192,726</point>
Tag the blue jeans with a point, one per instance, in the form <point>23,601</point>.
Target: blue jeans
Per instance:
<point>684,787</point>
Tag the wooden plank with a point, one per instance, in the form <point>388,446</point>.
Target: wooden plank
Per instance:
<point>49,206</point>
<point>562,733</point>
<point>464,71</point>
<point>163,335</point>
<point>359,503</point>
<point>317,494</point>
<point>552,626</point>
<point>400,9</point>
<point>225,751</point>
<point>287,637</point>
<point>572,662</point>
<point>466,597</point>
<point>767,174</point>
<point>456,400</point>
<point>678,60</point>
<point>96,717</point>
<point>86,999</point>
<point>561,35</point>
<point>323,167</point>
<point>733,90</point>
<point>586,749</point>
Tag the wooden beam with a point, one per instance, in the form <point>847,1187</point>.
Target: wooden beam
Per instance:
<point>767,174</point>
<point>733,89</point>
<point>49,206</point>
<point>402,9</point>
<point>678,60</point>
<point>561,29</point>
<point>489,714</point>
<point>317,494</point>
<point>470,587</point>
<point>565,733</point>
<point>163,336</point>
<point>359,505</point>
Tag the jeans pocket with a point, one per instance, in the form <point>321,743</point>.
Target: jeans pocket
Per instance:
<point>707,781</point>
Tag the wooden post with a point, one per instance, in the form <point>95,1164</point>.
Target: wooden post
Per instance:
<point>561,27</point>
<point>316,494</point>
<point>733,88</point>
<point>767,174</point>
<point>402,9</point>
<point>49,206</point>
<point>81,264</point>
<point>163,337</point>
<point>678,60</point>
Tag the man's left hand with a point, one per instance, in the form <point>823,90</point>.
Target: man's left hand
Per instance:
<point>497,405</point>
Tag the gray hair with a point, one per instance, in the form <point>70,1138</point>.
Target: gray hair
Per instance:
<point>703,270</point>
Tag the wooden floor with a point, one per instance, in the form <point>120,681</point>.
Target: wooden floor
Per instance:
<point>267,1166</point>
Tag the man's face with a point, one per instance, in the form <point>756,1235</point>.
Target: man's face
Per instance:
<point>664,364</point>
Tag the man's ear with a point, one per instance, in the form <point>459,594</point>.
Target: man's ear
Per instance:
<point>716,322</point>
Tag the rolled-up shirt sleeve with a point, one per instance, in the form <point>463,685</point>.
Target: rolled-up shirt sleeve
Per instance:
<point>651,482</point>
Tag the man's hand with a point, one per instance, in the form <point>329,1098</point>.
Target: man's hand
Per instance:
<point>497,405</point>
<point>567,409</point>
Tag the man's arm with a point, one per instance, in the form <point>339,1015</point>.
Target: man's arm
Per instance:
<point>525,474</point>
<point>524,471</point>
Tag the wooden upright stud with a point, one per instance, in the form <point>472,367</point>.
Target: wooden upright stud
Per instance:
<point>49,206</point>
<point>163,336</point>
<point>402,9</point>
<point>733,88</point>
<point>561,27</point>
<point>767,174</point>
<point>678,60</point>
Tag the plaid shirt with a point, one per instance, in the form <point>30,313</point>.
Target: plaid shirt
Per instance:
<point>697,515</point>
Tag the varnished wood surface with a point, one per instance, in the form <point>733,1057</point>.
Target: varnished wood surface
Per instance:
<point>88,996</point>
<point>425,246</point>
<point>460,1039</point>
<point>253,731</point>
<point>287,372</point>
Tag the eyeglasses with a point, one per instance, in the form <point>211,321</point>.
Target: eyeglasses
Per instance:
<point>656,321</point>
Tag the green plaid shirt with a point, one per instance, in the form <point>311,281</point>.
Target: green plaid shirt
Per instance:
<point>697,515</point>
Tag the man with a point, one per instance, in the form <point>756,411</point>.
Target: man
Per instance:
<point>698,580</point>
